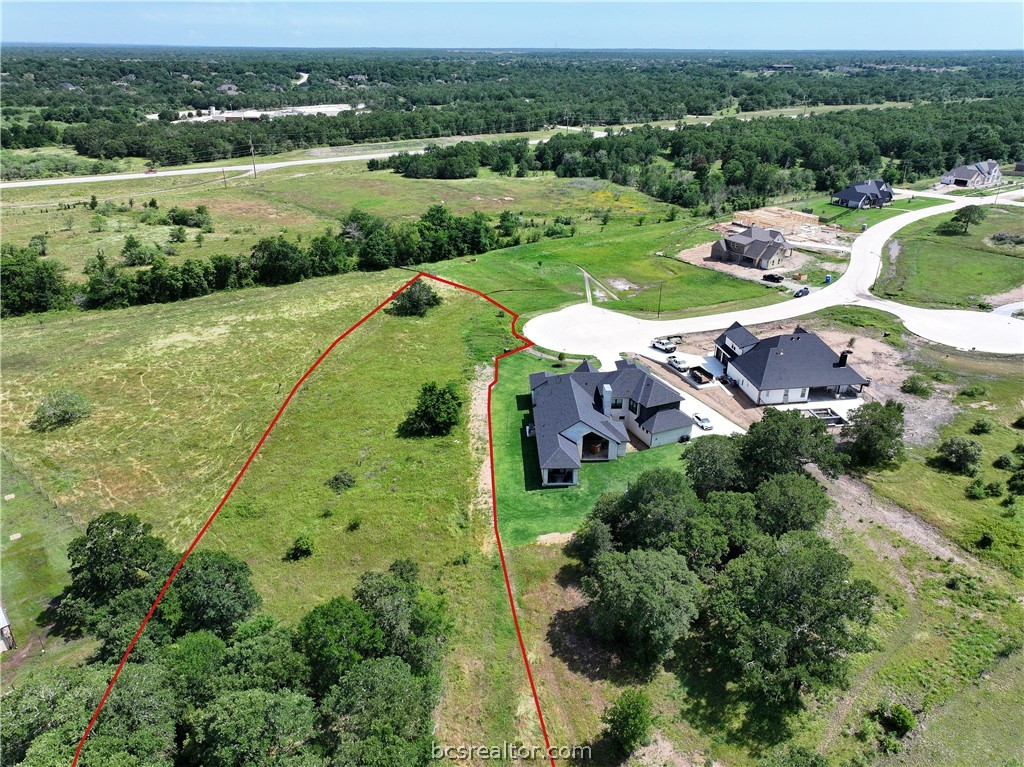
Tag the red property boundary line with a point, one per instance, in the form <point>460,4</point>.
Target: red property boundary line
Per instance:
<point>527,343</point>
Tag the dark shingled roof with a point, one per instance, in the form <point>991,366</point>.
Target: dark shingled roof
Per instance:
<point>666,420</point>
<point>795,361</point>
<point>754,243</point>
<point>873,189</point>
<point>561,401</point>
<point>739,335</point>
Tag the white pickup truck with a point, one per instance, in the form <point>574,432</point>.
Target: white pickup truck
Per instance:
<point>664,345</point>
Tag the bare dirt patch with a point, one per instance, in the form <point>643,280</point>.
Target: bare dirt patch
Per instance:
<point>480,446</point>
<point>554,539</point>
<point>1009,297</point>
<point>798,261</point>
<point>661,753</point>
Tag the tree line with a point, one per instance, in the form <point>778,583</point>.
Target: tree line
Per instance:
<point>213,682</point>
<point>95,99</point>
<point>34,283</point>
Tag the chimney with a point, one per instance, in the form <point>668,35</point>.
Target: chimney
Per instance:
<point>606,399</point>
<point>844,356</point>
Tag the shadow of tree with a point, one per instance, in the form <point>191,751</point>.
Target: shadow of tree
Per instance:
<point>714,701</point>
<point>603,752</point>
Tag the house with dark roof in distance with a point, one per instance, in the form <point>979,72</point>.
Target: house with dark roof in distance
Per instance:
<point>873,193</point>
<point>980,174</point>
<point>754,246</point>
<point>587,415</point>
<point>786,369</point>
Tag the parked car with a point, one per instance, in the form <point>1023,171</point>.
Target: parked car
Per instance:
<point>702,421</point>
<point>151,170</point>
<point>663,344</point>
<point>727,380</point>
<point>772,278</point>
<point>678,364</point>
<point>801,293</point>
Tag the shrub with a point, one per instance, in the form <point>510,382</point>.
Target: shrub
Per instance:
<point>1008,238</point>
<point>64,407</point>
<point>630,720</point>
<point>436,412</point>
<point>976,490</point>
<point>303,547</point>
<point>943,376</point>
<point>974,391</point>
<point>341,481</point>
<point>983,426</point>
<point>178,234</point>
<point>961,454</point>
<point>896,718</point>
<point>355,523</point>
<point>1006,462</point>
<point>994,489</point>
<point>917,385</point>
<point>414,301</point>
<point>1015,484</point>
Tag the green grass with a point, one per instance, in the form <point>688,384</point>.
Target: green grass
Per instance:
<point>887,326</point>
<point>181,395</point>
<point>979,725</point>
<point>952,270</point>
<point>34,571</point>
<point>525,510</point>
<point>924,487</point>
<point>853,220</point>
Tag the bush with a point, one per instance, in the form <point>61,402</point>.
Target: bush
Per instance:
<point>896,719</point>
<point>974,391</point>
<point>415,300</point>
<point>64,407</point>
<point>976,490</point>
<point>917,385</point>
<point>341,481</point>
<point>983,426</point>
<point>1015,484</point>
<point>354,524</point>
<point>1008,238</point>
<point>961,454</point>
<point>436,412</point>
<point>1006,462</point>
<point>303,547</point>
<point>630,720</point>
<point>994,489</point>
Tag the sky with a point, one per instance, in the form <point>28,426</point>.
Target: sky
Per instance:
<point>817,25</point>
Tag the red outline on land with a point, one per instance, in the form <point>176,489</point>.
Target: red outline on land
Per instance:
<point>527,343</point>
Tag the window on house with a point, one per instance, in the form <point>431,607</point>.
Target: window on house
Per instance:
<point>803,392</point>
<point>617,403</point>
<point>634,408</point>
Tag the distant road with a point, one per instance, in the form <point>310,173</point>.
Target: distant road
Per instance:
<point>260,167</point>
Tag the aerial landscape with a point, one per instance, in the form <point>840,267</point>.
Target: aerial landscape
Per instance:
<point>556,383</point>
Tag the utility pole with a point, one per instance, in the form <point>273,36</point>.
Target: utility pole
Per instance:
<point>252,150</point>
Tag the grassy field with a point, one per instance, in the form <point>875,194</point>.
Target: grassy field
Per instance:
<point>953,270</point>
<point>525,510</point>
<point>34,538</point>
<point>853,220</point>
<point>182,392</point>
<point>976,726</point>
<point>923,486</point>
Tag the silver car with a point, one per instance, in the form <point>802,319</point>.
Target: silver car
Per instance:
<point>702,421</point>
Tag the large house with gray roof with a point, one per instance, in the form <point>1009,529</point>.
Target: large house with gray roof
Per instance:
<point>587,415</point>
<point>754,246</point>
<point>980,174</point>
<point>872,193</point>
<point>786,369</point>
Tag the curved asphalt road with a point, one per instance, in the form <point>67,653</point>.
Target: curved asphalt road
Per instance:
<point>587,329</point>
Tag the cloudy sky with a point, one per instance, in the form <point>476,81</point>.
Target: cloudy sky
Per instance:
<point>818,25</point>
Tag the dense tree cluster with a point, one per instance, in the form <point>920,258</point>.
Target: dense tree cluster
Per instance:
<point>94,98</point>
<point>728,554</point>
<point>767,157</point>
<point>462,160</point>
<point>212,683</point>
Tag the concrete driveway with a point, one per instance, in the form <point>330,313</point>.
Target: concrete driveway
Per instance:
<point>585,329</point>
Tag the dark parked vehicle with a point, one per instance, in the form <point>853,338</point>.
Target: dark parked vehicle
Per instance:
<point>801,293</point>
<point>772,278</point>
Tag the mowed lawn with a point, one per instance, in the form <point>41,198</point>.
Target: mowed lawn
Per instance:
<point>525,509</point>
<point>34,538</point>
<point>853,220</point>
<point>954,270</point>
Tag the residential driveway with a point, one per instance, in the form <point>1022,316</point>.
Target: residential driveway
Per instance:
<point>584,329</point>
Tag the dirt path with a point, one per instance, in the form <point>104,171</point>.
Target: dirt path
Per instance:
<point>859,506</point>
<point>480,447</point>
